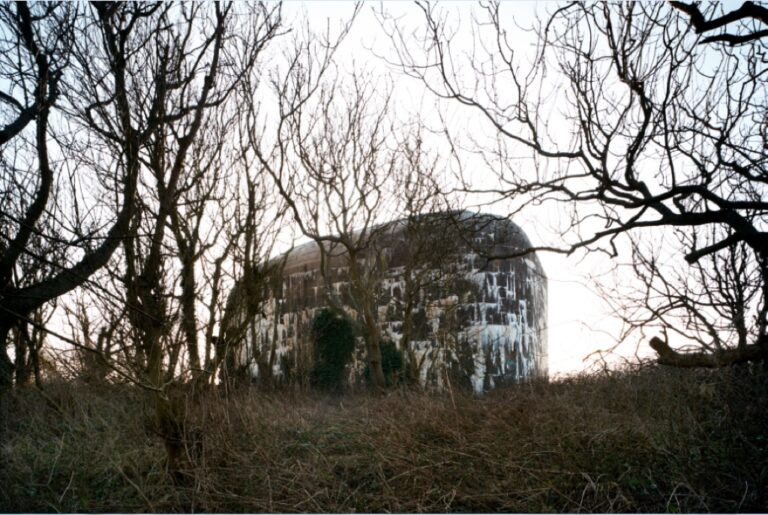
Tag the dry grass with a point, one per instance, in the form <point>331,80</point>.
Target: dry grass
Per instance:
<point>644,440</point>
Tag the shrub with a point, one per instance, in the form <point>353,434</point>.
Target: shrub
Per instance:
<point>334,340</point>
<point>392,364</point>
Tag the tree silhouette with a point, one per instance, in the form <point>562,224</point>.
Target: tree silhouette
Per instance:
<point>631,124</point>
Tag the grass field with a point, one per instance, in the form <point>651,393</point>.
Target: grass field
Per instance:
<point>648,439</point>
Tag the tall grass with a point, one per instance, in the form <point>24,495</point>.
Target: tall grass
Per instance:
<point>649,439</point>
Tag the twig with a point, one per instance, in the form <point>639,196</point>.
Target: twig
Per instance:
<point>134,485</point>
<point>71,477</point>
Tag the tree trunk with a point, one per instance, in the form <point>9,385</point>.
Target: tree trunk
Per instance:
<point>373,344</point>
<point>364,295</point>
<point>20,344</point>
<point>6,365</point>
<point>36,366</point>
<point>413,366</point>
<point>669,356</point>
<point>414,369</point>
<point>189,317</point>
<point>762,338</point>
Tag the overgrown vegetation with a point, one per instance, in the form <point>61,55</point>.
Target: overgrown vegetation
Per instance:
<point>391,365</point>
<point>334,339</point>
<point>391,362</point>
<point>647,439</point>
<point>153,156</point>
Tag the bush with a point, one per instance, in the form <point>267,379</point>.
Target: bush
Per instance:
<point>334,340</point>
<point>392,364</point>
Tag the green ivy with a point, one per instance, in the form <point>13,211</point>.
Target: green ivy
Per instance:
<point>392,363</point>
<point>334,340</point>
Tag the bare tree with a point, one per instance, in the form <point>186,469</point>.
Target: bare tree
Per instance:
<point>38,73</point>
<point>628,122</point>
<point>337,190</point>
<point>330,161</point>
<point>143,97</point>
<point>710,303</point>
<point>745,32</point>
<point>195,63</point>
<point>257,223</point>
<point>430,237</point>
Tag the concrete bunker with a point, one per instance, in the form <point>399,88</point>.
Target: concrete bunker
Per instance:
<point>476,321</point>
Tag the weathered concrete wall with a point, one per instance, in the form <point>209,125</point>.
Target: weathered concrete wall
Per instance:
<point>475,321</point>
